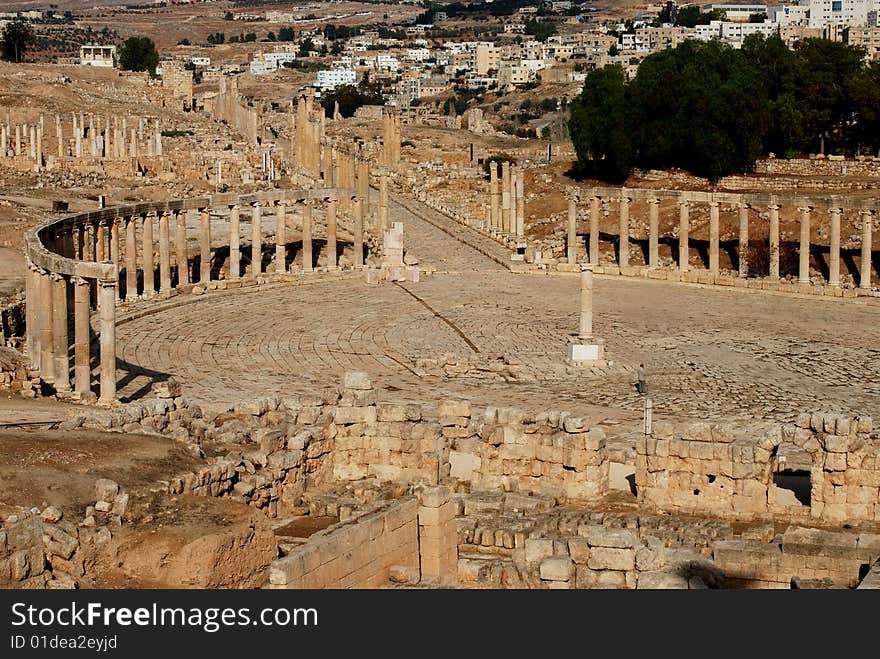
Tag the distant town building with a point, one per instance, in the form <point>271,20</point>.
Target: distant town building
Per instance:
<point>333,78</point>
<point>95,55</point>
<point>737,12</point>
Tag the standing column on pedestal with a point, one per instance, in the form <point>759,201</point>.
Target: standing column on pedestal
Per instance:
<point>743,239</point>
<point>205,246</point>
<point>683,235</point>
<point>180,248</point>
<point>307,235</point>
<point>331,234</point>
<point>520,204</point>
<point>653,232</point>
<point>865,270</point>
<point>359,232</point>
<point>804,254</point>
<point>44,322</point>
<point>513,200</point>
<point>571,246</point>
<point>594,230</point>
<point>107,305</point>
<point>774,241</point>
<point>82,372</point>
<point>505,197</point>
<point>164,253</point>
<point>234,243</point>
<point>131,259</point>
<point>280,238</point>
<point>585,325</point>
<point>256,239</point>
<point>834,255</point>
<point>59,333</point>
<point>586,349</point>
<point>623,233</point>
<point>495,221</point>
<point>714,237</point>
<point>149,269</point>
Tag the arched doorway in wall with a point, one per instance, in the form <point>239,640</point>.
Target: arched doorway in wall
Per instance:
<point>790,471</point>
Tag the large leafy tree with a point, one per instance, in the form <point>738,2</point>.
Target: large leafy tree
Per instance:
<point>16,41</point>
<point>139,54</point>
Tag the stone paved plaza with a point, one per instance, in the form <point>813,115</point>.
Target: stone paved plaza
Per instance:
<point>709,353</point>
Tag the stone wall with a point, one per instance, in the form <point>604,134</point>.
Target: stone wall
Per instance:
<point>16,374</point>
<point>718,470</point>
<point>358,554</point>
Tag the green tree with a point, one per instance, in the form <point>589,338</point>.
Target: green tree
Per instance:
<point>16,41</point>
<point>599,128</point>
<point>864,90</point>
<point>286,34</point>
<point>540,29</point>
<point>306,47</point>
<point>139,54</point>
<point>350,98</point>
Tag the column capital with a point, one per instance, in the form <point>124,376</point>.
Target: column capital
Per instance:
<point>165,213</point>
<point>586,267</point>
<point>714,204</point>
<point>805,209</point>
<point>76,280</point>
<point>835,210</point>
<point>625,199</point>
<point>653,200</point>
<point>256,203</point>
<point>56,276</point>
<point>773,207</point>
<point>866,212</point>
<point>683,202</point>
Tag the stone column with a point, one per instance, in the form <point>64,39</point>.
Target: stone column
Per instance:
<point>653,232</point>
<point>32,302</point>
<point>594,230</point>
<point>205,246</point>
<point>774,241</point>
<point>16,146</point>
<point>44,322</point>
<point>180,250</point>
<point>520,204</point>
<point>256,239</point>
<point>114,241</point>
<point>331,234</point>
<point>359,232</point>
<point>364,186</point>
<point>804,253</point>
<point>39,154</point>
<point>59,135</point>
<point>513,200</point>
<point>164,253</point>
<point>743,239</point>
<point>585,326</point>
<point>865,271</point>
<point>59,333</point>
<point>131,259</point>
<point>683,237</point>
<point>148,265</point>
<point>32,143</point>
<point>571,246</point>
<point>101,241</point>
<point>623,232</point>
<point>505,197</point>
<point>834,251</point>
<point>307,235</point>
<point>714,237</point>
<point>280,238</point>
<point>383,203</point>
<point>107,291</point>
<point>234,242</point>
<point>82,380</point>
<point>494,210</point>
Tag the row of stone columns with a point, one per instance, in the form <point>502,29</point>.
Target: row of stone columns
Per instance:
<point>48,342</point>
<point>834,215</point>
<point>507,206</point>
<point>146,245</point>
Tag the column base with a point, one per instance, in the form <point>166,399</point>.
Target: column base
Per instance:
<point>586,351</point>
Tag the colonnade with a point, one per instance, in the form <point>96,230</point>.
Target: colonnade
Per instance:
<point>507,205</point>
<point>808,208</point>
<point>80,263</point>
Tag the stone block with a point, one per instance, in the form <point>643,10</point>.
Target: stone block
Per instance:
<point>537,549</point>
<point>169,388</point>
<point>349,415</point>
<point>463,466</point>
<point>105,489</point>
<point>579,550</point>
<point>454,408</point>
<point>660,580</point>
<point>606,558</point>
<point>601,536</point>
<point>556,568</point>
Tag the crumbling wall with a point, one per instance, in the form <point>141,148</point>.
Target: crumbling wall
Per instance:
<point>718,470</point>
<point>358,554</point>
<point>16,374</point>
